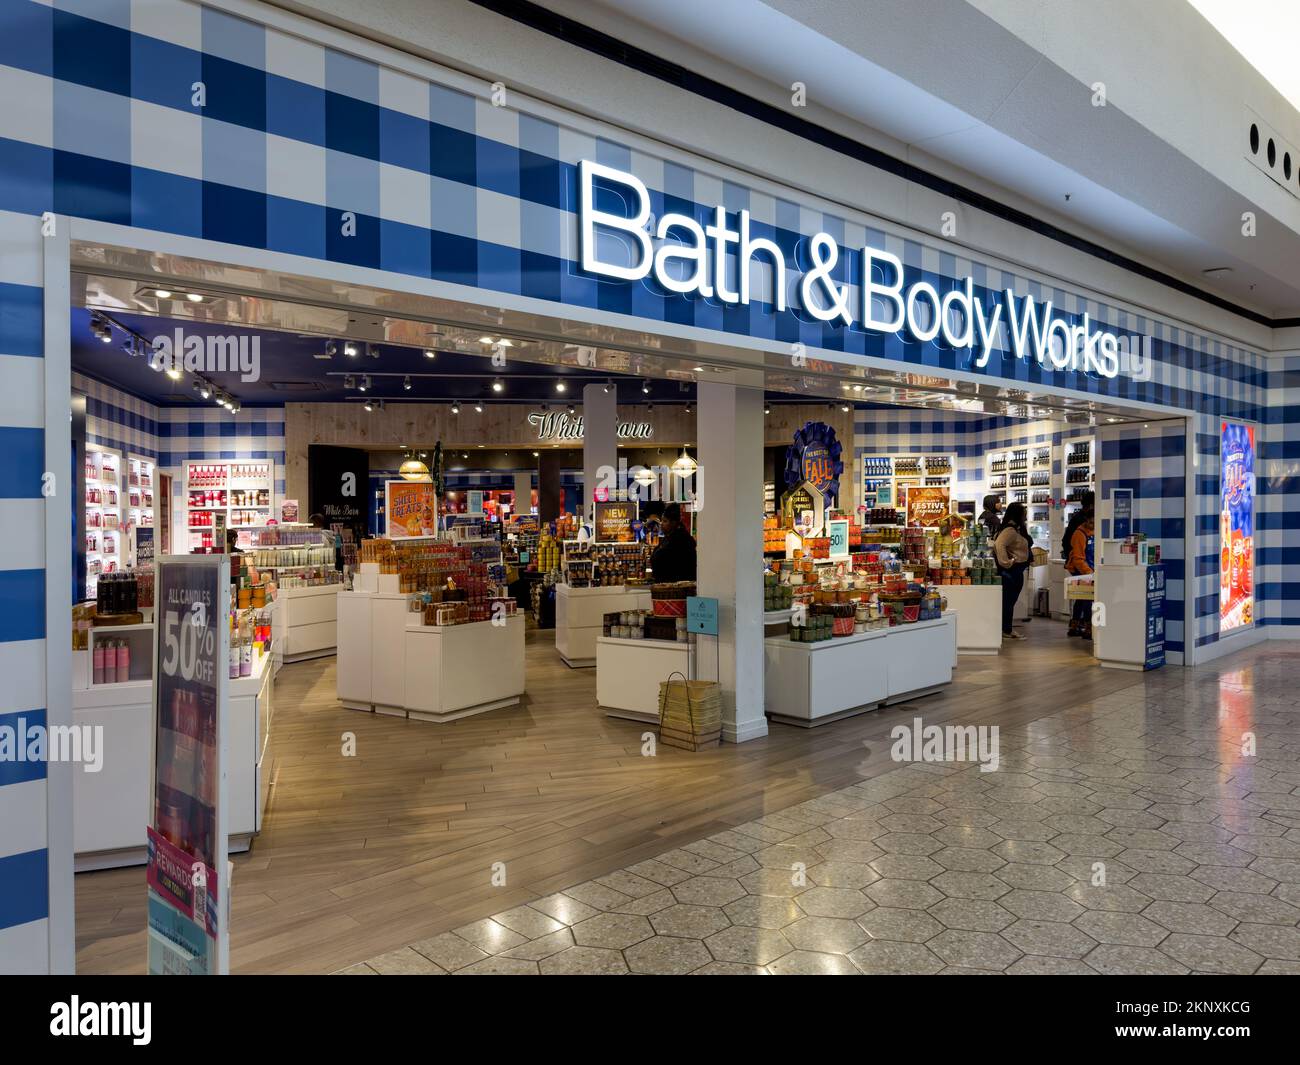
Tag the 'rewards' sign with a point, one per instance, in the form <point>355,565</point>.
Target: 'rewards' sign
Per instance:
<point>814,458</point>
<point>620,240</point>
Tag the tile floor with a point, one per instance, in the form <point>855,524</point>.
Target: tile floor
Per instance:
<point>940,868</point>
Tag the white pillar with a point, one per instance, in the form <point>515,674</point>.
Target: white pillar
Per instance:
<point>730,550</point>
<point>599,437</point>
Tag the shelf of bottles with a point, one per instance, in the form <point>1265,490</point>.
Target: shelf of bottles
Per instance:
<point>886,477</point>
<point>1079,466</point>
<point>141,484</point>
<point>102,515</point>
<point>240,489</point>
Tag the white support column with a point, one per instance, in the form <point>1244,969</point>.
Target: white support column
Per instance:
<point>730,549</point>
<point>599,437</point>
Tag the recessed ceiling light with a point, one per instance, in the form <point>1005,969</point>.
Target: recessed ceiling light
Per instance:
<point>163,293</point>
<point>194,297</point>
<point>486,340</point>
<point>498,385</point>
<point>698,369</point>
<point>503,342</point>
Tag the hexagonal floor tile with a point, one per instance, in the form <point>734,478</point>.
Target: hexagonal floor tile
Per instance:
<point>1211,954</point>
<point>973,915</point>
<point>1031,852</point>
<point>1112,960</point>
<point>1269,940</point>
<point>1041,905</point>
<point>763,911</point>
<point>753,946</point>
<point>907,894</point>
<point>834,902</point>
<point>584,961</point>
<point>885,957</point>
<point>976,950</point>
<point>842,874</point>
<point>612,930</point>
<point>812,963</point>
<point>694,922</point>
<point>667,956</point>
<point>904,926</point>
<point>969,885</point>
<point>1053,938</point>
<point>1195,918</point>
<point>716,891</point>
<point>1170,887</point>
<point>967,836</point>
<point>1124,929</point>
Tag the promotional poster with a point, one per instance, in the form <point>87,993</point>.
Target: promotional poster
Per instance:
<point>187,843</point>
<point>411,509</point>
<point>1236,526</point>
<point>926,505</point>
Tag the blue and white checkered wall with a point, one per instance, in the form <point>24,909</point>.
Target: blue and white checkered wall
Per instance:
<point>24,849</point>
<point>171,436</point>
<point>1277,500</point>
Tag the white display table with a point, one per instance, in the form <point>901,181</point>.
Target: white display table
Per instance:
<point>580,615</point>
<point>455,671</point>
<point>1120,643</point>
<point>628,673</point>
<point>979,616</point>
<point>111,807</point>
<point>813,683</point>
<point>391,663</point>
<point>306,622</point>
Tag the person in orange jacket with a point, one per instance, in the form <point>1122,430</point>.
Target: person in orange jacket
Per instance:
<point>1078,564</point>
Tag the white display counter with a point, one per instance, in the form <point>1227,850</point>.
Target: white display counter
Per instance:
<point>814,683</point>
<point>455,671</point>
<point>580,616</point>
<point>389,662</point>
<point>628,673</point>
<point>306,622</point>
<point>1120,643</point>
<point>111,807</point>
<point>979,616</point>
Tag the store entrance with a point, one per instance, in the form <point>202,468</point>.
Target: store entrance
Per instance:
<point>353,381</point>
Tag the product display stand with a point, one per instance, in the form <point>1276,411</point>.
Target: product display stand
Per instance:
<point>979,616</point>
<point>580,615</point>
<point>810,684</point>
<point>1121,642</point>
<point>111,807</point>
<point>628,673</point>
<point>306,622</point>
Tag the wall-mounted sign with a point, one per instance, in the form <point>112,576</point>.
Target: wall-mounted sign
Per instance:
<point>1121,510</point>
<point>1236,526</point>
<point>410,510</point>
<point>926,504</point>
<point>814,458</point>
<point>684,257</point>
<point>613,522</point>
<point>336,483</point>
<point>551,425</point>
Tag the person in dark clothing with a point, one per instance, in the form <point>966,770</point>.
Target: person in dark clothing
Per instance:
<point>991,519</point>
<point>1012,551</point>
<point>1079,563</point>
<point>674,558</point>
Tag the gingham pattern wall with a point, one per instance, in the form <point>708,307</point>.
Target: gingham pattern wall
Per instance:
<point>1277,501</point>
<point>24,851</point>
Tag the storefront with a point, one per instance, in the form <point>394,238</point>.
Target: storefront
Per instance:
<point>512,240</point>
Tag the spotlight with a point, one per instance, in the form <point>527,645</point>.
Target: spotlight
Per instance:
<point>174,373</point>
<point>607,388</point>
<point>485,340</point>
<point>204,391</point>
<point>573,409</point>
<point>560,386</point>
<point>688,408</point>
<point>645,388</point>
<point>163,293</point>
<point>331,349</point>
<point>365,383</point>
<point>349,349</point>
<point>649,408</point>
<point>368,405</point>
<point>106,333</point>
<point>767,410</point>
<point>429,353</point>
<point>406,382</point>
<point>234,407</point>
<point>455,408</point>
<point>349,382</point>
<point>498,385</point>
<point>218,399</point>
<point>504,343</point>
<point>478,408</point>
<point>845,408</point>
<point>194,297</point>
<point>536,454</point>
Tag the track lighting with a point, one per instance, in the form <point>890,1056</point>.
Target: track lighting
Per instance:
<point>429,353</point>
<point>349,349</point>
<point>498,385</point>
<point>194,297</point>
<point>406,383</point>
<point>365,383</point>
<point>174,373</point>
<point>573,409</point>
<point>234,407</point>
<point>202,388</point>
<point>645,388</point>
<point>767,410</point>
<point>349,382</point>
<point>372,352</point>
<point>331,349</point>
<point>478,408</point>
<point>163,293</point>
<point>607,387</point>
<point>560,386</point>
<point>455,408</point>
<point>368,405</point>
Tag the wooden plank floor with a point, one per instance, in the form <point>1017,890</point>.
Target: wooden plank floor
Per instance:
<point>361,855</point>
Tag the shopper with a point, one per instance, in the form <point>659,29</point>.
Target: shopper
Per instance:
<point>674,558</point>
<point>1011,549</point>
<point>1080,562</point>
<point>1087,506</point>
<point>991,518</point>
